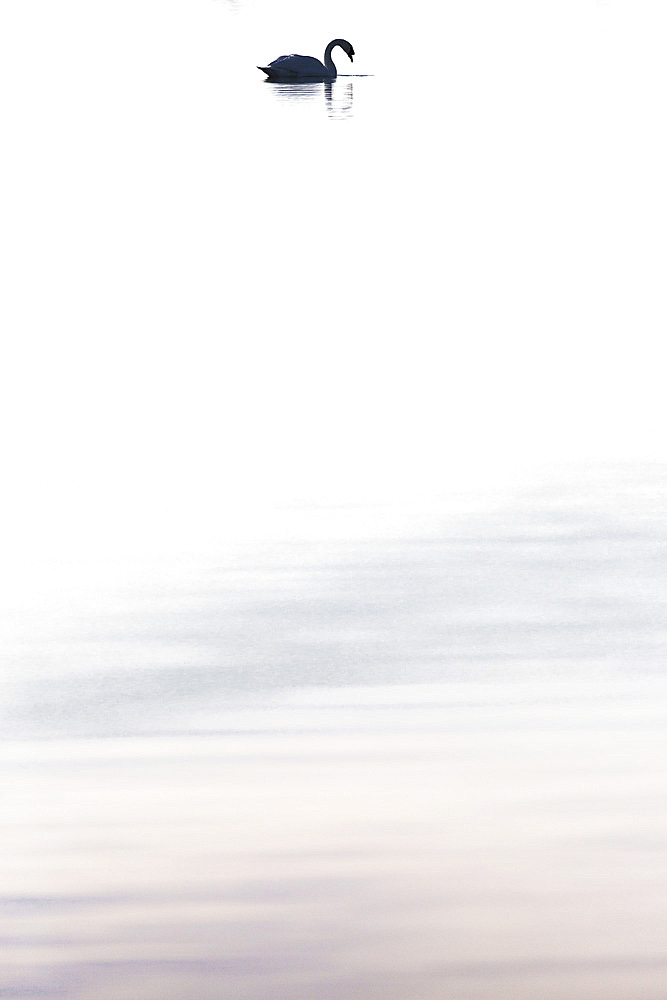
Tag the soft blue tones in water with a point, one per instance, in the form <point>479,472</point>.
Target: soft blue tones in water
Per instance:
<point>563,579</point>
<point>382,753</point>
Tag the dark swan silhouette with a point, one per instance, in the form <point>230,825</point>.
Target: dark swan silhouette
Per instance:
<point>293,68</point>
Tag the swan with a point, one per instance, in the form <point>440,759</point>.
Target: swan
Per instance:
<point>293,68</point>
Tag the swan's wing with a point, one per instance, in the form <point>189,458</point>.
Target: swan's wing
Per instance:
<point>302,65</point>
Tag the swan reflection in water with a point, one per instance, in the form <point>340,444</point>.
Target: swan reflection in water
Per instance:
<point>338,94</point>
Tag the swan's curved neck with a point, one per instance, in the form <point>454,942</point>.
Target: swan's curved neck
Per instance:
<point>328,61</point>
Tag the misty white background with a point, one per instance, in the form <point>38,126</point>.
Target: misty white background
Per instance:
<point>212,296</point>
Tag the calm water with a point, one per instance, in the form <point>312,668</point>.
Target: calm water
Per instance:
<point>333,528</point>
<point>381,753</point>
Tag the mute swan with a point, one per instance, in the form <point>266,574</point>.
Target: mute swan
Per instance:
<point>293,68</point>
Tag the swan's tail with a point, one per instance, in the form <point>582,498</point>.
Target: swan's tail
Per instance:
<point>279,74</point>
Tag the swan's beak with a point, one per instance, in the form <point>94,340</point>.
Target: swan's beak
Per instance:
<point>350,54</point>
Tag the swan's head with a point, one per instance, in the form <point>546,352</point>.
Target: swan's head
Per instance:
<point>345,46</point>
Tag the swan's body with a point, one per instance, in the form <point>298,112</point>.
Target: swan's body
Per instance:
<point>292,69</point>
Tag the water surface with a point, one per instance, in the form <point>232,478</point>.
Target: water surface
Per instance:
<point>351,760</point>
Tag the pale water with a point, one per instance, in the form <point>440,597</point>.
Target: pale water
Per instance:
<point>334,522</point>
<point>370,756</point>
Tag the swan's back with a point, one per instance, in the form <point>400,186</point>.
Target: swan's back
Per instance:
<point>289,67</point>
